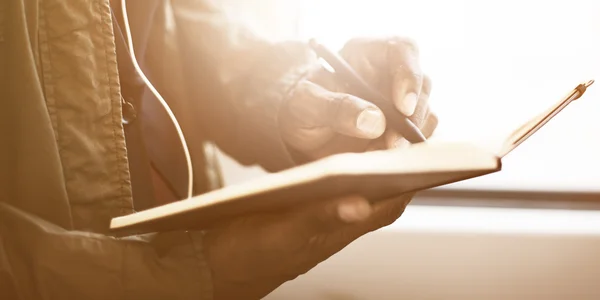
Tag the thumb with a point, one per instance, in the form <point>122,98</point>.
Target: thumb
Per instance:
<point>343,113</point>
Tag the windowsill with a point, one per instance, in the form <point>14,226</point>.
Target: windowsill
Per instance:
<point>498,211</point>
<point>497,220</point>
<point>569,200</point>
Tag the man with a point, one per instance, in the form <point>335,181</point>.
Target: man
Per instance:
<point>65,170</point>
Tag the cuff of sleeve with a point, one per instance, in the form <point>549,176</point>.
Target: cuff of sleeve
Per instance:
<point>174,267</point>
<point>263,92</point>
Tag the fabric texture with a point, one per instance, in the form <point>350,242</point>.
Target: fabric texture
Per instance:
<point>64,169</point>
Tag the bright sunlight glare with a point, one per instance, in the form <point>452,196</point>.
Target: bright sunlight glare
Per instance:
<point>494,65</point>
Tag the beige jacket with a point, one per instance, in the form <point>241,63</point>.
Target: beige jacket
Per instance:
<point>64,168</point>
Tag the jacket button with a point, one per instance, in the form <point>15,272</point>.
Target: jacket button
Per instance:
<point>128,111</point>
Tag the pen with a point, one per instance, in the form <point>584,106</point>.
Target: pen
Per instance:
<point>394,118</point>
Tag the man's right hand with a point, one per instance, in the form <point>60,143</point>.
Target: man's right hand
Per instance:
<point>322,117</point>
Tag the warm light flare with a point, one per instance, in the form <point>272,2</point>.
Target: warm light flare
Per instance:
<point>494,65</point>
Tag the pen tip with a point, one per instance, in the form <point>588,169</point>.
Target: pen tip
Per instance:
<point>589,83</point>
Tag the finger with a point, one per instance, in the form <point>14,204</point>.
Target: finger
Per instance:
<point>399,56</point>
<point>430,125</point>
<point>326,79</point>
<point>419,117</point>
<point>341,144</point>
<point>382,214</point>
<point>385,213</point>
<point>306,139</point>
<point>313,106</point>
<point>324,218</point>
<point>406,74</point>
<point>323,230</point>
<point>377,145</point>
<point>344,220</point>
<point>427,85</point>
<point>363,64</point>
<point>422,108</point>
<point>392,139</point>
<point>368,57</point>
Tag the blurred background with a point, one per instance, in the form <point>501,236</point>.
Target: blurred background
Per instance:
<point>528,232</point>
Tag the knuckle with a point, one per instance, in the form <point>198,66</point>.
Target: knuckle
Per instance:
<point>393,215</point>
<point>432,122</point>
<point>427,82</point>
<point>299,93</point>
<point>435,121</point>
<point>407,68</point>
<point>389,216</point>
<point>404,43</point>
<point>354,47</point>
<point>403,55</point>
<point>415,74</point>
<point>419,116</point>
<point>427,85</point>
<point>396,209</point>
<point>335,110</point>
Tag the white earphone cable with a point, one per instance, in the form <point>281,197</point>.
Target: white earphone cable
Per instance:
<point>160,99</point>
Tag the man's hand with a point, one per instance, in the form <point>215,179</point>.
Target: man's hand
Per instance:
<point>252,256</point>
<point>323,118</point>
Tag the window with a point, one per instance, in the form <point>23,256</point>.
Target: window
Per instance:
<point>494,64</point>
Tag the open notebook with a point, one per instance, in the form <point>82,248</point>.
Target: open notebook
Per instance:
<point>376,175</point>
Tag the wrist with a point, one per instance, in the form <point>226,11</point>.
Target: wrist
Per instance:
<point>263,93</point>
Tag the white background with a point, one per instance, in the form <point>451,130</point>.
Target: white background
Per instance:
<point>494,65</point>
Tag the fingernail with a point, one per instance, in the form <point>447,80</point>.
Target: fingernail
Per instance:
<point>405,101</point>
<point>371,122</point>
<point>409,104</point>
<point>354,211</point>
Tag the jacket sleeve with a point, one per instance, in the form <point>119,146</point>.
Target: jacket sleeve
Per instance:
<point>40,260</point>
<point>235,81</point>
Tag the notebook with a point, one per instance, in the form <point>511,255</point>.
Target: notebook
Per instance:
<point>377,175</point>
